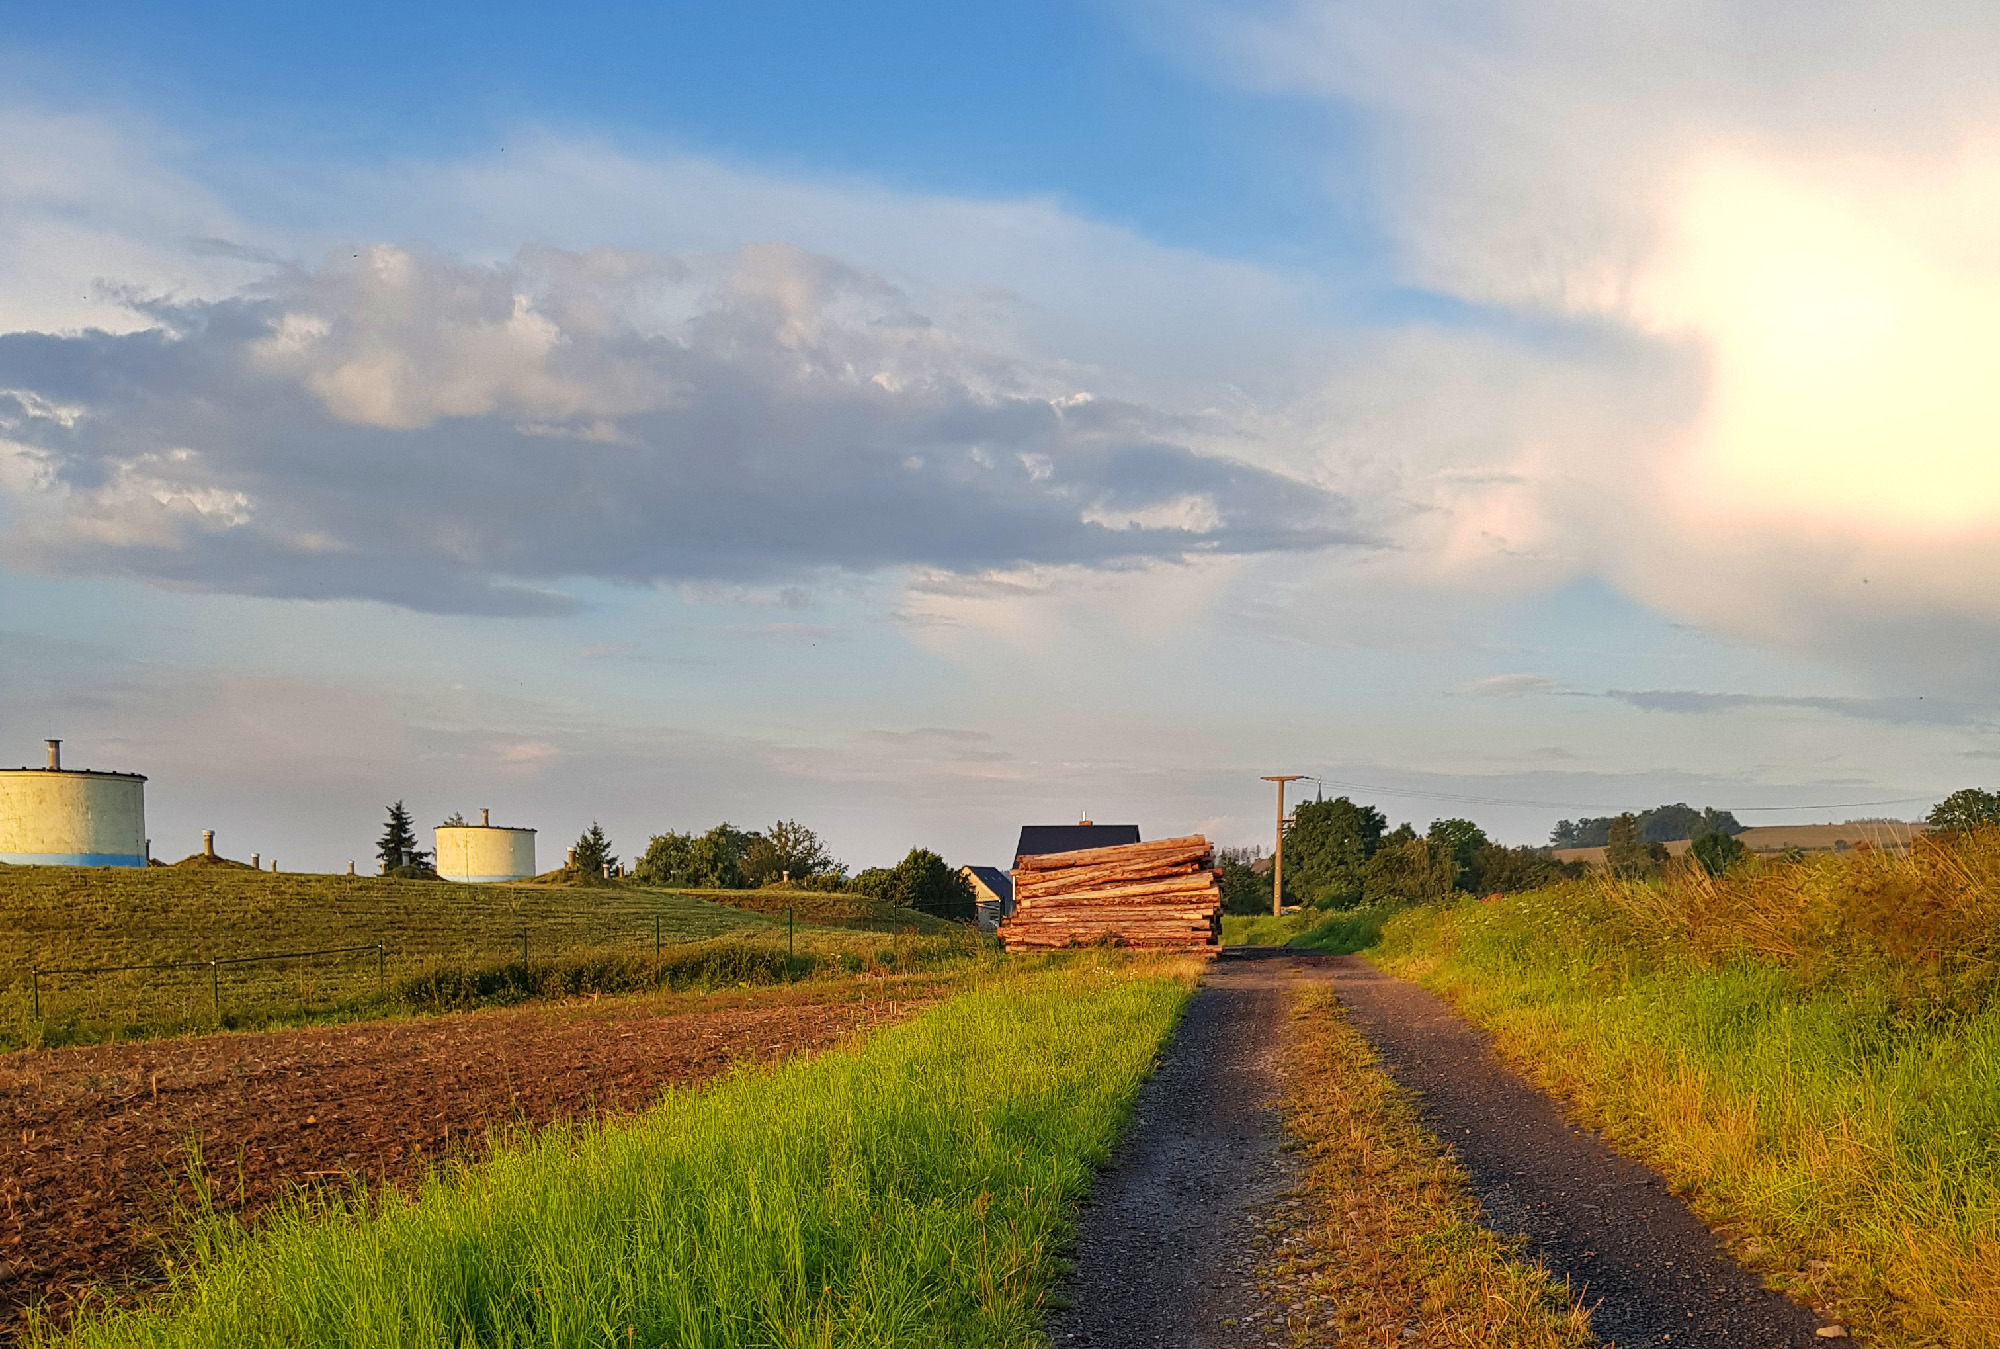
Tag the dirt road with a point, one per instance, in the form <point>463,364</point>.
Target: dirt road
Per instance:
<point>1168,1237</point>
<point>1164,1244</point>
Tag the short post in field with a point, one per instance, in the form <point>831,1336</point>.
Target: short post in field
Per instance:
<point>215,989</point>
<point>1278,851</point>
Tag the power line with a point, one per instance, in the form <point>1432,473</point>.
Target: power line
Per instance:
<point>1587,805</point>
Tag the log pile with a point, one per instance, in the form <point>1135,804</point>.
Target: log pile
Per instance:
<point>1159,896</point>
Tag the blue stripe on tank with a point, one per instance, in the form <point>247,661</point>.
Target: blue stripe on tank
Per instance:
<point>73,859</point>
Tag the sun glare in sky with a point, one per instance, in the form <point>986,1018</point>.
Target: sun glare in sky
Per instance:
<point>1849,329</point>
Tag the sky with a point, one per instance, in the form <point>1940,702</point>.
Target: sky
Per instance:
<point>917,420</point>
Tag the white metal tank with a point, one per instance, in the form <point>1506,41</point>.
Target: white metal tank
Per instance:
<point>70,817</point>
<point>484,852</point>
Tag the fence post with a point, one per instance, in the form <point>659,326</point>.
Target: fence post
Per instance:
<point>35,978</point>
<point>381,970</point>
<point>215,991</point>
<point>788,943</point>
<point>524,947</point>
<point>656,938</point>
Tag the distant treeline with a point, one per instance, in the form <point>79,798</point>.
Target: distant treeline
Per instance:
<point>788,853</point>
<point>1339,854</point>
<point>1661,824</point>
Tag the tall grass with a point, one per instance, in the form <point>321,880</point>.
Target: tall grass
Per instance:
<point>1810,1049</point>
<point>910,1189</point>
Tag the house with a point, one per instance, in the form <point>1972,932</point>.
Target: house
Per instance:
<point>993,893</point>
<point>1040,839</point>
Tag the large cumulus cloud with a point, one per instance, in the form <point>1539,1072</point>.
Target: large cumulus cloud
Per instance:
<point>1746,245</point>
<point>401,426</point>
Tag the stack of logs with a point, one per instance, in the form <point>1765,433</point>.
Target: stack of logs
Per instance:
<point>1155,895</point>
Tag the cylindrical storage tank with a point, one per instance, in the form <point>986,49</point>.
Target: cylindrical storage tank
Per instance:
<point>485,852</point>
<point>64,817</point>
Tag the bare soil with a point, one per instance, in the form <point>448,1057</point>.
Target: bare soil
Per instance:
<point>95,1141</point>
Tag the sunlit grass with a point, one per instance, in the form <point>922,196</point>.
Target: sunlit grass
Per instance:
<point>1811,1051</point>
<point>911,1189</point>
<point>441,944</point>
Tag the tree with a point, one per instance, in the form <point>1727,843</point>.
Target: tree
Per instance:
<point>455,820</point>
<point>711,861</point>
<point>787,848</point>
<point>921,881</point>
<point>1966,809</point>
<point>1717,852</point>
<point>1411,871</point>
<point>1628,856</point>
<point>1462,840</point>
<point>398,845</point>
<point>1244,889</point>
<point>593,852</point>
<point>1661,824</point>
<point>1498,870</point>
<point>1327,851</point>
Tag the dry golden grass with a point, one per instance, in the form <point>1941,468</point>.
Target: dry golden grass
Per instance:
<point>1389,1241</point>
<point>1809,1050</point>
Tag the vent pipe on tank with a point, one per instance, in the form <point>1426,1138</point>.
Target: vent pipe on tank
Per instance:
<point>55,754</point>
<point>484,821</point>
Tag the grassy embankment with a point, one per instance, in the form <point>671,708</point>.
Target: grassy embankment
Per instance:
<point>1810,1051</point>
<point>911,1189</point>
<point>1340,933</point>
<point>445,944</point>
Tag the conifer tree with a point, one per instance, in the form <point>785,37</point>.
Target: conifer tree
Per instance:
<point>593,852</point>
<point>398,845</point>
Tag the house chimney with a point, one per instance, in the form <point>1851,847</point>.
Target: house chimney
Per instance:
<point>484,821</point>
<point>55,754</point>
<point>208,843</point>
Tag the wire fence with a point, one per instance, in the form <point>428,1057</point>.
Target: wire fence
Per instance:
<point>155,993</point>
<point>214,966</point>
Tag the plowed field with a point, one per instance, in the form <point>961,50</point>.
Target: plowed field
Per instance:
<point>94,1142</point>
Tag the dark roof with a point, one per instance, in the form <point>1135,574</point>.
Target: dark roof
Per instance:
<point>996,880</point>
<point>1037,839</point>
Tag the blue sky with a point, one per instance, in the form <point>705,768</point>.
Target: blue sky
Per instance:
<point>919,421</point>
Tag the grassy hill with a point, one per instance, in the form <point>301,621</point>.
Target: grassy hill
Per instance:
<point>66,917</point>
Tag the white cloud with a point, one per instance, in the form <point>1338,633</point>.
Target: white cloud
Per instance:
<point>1732,280</point>
<point>401,426</point>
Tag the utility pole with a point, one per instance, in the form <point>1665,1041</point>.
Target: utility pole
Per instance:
<point>1278,855</point>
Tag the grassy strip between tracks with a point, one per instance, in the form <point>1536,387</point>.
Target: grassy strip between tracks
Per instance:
<point>1389,1249</point>
<point>1810,1051</point>
<point>910,1189</point>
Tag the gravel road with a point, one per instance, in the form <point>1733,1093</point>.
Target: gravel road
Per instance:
<point>1163,1245</point>
<point>1646,1266</point>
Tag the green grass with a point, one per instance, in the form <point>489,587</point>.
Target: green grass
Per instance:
<point>912,1189</point>
<point>1341,932</point>
<point>443,943</point>
<point>1838,1119</point>
<point>1262,929</point>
